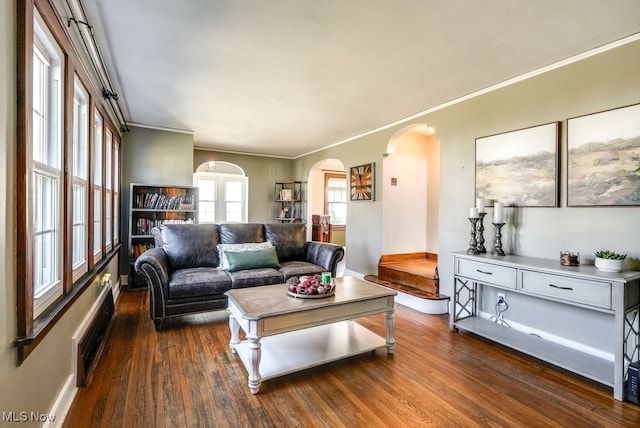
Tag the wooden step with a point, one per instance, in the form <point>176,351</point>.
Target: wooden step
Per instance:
<point>416,270</point>
<point>406,289</point>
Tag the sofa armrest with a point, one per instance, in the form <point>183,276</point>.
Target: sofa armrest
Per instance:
<point>153,265</point>
<point>324,254</point>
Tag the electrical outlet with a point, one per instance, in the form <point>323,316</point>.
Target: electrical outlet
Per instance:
<point>501,298</point>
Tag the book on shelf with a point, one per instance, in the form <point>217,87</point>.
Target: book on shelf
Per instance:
<point>144,225</point>
<point>161,201</point>
<point>138,249</point>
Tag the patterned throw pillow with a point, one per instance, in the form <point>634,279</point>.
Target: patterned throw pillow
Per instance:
<point>249,246</point>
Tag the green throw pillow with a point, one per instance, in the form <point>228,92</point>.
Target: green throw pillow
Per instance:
<point>267,258</point>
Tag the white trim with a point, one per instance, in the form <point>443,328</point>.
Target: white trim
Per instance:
<point>61,406</point>
<point>509,82</point>
<point>262,155</point>
<point>161,128</point>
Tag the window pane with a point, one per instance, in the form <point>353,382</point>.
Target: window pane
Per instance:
<point>207,212</point>
<point>80,130</point>
<point>234,212</point>
<point>79,227</point>
<point>116,167</point>
<point>207,189</point>
<point>97,150</point>
<point>107,218</point>
<point>45,254</point>
<point>338,213</point>
<point>107,155</point>
<point>97,216</point>
<point>233,191</point>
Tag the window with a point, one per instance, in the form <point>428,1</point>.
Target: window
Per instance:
<point>97,186</point>
<point>336,198</point>
<point>223,197</point>
<point>108,232</point>
<point>234,200</point>
<point>207,189</point>
<point>116,191</point>
<point>46,167</point>
<point>59,156</point>
<point>80,191</point>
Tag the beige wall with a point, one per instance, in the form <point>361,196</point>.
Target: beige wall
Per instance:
<point>597,83</point>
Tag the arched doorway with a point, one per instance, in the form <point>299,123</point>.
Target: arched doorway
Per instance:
<point>410,191</point>
<point>223,192</point>
<point>327,196</point>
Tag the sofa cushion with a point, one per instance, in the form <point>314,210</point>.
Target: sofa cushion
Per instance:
<point>255,277</point>
<point>288,238</point>
<point>297,268</point>
<point>242,260</point>
<point>223,249</point>
<point>198,282</point>
<point>240,233</point>
<point>190,245</point>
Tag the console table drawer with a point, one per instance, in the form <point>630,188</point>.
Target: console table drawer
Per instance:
<point>593,293</point>
<point>486,272</point>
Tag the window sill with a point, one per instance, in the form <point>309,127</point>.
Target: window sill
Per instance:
<point>45,322</point>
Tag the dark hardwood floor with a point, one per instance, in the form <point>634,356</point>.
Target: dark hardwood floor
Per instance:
<point>185,376</point>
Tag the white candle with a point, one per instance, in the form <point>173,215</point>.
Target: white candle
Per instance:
<point>498,212</point>
<point>473,212</point>
<point>480,205</point>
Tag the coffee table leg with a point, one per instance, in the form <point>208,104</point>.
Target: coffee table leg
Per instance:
<point>254,362</point>
<point>390,322</point>
<point>235,329</point>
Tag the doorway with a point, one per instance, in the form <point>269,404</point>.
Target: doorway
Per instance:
<point>327,202</point>
<point>410,191</point>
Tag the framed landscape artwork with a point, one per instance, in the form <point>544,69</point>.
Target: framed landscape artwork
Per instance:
<point>603,158</point>
<point>519,168</point>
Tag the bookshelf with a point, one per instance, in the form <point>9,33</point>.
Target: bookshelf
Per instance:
<point>151,206</point>
<point>288,202</point>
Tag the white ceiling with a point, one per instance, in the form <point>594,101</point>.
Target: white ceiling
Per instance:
<point>287,77</point>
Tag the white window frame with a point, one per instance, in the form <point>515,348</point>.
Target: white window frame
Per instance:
<point>116,191</point>
<point>97,185</point>
<point>80,162</point>
<point>47,164</point>
<point>108,164</point>
<point>221,200</point>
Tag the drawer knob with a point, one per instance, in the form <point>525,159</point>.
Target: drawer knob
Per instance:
<point>561,288</point>
<point>486,273</point>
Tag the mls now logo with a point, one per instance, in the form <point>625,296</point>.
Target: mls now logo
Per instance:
<point>27,417</point>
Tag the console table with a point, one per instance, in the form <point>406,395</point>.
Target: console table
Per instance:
<point>584,286</point>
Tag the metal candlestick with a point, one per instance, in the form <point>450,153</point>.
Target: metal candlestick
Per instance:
<point>497,246</point>
<point>472,242</point>
<point>480,234</point>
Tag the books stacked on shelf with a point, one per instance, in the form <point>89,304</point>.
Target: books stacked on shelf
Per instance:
<point>138,249</point>
<point>160,201</point>
<point>144,225</point>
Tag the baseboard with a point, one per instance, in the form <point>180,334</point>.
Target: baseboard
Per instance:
<point>61,406</point>
<point>426,306</point>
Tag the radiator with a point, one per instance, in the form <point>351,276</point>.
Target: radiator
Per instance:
<point>90,340</point>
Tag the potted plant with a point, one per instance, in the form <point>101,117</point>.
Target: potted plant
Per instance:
<point>610,261</point>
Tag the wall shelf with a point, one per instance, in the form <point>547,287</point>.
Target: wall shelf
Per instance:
<point>152,206</point>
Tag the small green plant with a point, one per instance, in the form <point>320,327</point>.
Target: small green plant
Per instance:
<point>611,255</point>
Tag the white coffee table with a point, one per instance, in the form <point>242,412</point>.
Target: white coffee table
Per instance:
<point>285,334</point>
